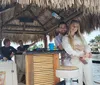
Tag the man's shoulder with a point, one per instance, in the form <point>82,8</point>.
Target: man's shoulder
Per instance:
<point>58,37</point>
<point>11,47</point>
<point>19,47</point>
<point>2,47</point>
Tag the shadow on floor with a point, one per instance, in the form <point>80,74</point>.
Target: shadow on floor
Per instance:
<point>21,84</point>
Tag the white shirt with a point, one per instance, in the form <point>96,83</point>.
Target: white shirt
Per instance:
<point>74,53</point>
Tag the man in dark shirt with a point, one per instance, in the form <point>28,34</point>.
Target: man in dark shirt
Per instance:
<point>22,48</point>
<point>20,60</point>
<point>7,51</point>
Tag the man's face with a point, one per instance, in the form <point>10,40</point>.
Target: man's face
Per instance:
<point>7,44</point>
<point>62,29</point>
<point>20,43</point>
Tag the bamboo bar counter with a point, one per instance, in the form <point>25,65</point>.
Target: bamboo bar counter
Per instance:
<point>41,68</point>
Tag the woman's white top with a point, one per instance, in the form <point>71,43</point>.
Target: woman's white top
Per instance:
<point>75,53</point>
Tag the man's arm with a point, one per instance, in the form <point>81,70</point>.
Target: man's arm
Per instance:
<point>58,43</point>
<point>60,47</point>
<point>14,50</point>
<point>32,43</point>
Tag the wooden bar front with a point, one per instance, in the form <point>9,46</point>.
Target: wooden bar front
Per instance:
<point>41,69</point>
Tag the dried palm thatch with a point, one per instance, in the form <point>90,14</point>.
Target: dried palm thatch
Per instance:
<point>89,22</point>
<point>43,19</point>
<point>24,37</point>
<point>19,34</point>
<point>91,6</point>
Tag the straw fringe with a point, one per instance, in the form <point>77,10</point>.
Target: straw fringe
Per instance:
<point>93,6</point>
<point>24,37</point>
<point>89,20</point>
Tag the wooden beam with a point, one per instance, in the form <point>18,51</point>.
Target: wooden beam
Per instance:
<point>37,20</point>
<point>52,29</point>
<point>73,15</point>
<point>24,9</point>
<point>48,21</point>
<point>21,31</point>
<point>26,26</point>
<point>6,9</point>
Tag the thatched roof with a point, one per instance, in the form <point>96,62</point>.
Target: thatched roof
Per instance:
<point>34,19</point>
<point>92,6</point>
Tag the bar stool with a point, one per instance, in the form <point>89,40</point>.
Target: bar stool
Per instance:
<point>68,73</point>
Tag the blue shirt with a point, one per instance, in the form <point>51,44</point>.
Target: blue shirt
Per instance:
<point>58,41</point>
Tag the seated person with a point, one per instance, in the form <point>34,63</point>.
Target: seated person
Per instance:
<point>22,48</point>
<point>7,51</point>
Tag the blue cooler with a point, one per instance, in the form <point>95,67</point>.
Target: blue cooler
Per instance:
<point>51,46</point>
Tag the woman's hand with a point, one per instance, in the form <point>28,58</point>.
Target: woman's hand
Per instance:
<point>88,55</point>
<point>79,47</point>
<point>83,60</point>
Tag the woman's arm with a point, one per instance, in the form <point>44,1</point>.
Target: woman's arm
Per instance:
<point>87,50</point>
<point>67,47</point>
<point>79,47</point>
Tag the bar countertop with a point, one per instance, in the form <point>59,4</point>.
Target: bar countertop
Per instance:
<point>47,51</point>
<point>44,52</point>
<point>41,52</point>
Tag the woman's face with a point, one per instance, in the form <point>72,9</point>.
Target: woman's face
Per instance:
<point>74,27</point>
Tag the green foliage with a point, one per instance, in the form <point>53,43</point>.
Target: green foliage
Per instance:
<point>92,41</point>
<point>97,38</point>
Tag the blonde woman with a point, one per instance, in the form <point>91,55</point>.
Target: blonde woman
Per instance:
<point>75,45</point>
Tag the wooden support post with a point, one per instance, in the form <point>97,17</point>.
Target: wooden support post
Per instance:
<point>56,65</point>
<point>0,36</point>
<point>45,41</point>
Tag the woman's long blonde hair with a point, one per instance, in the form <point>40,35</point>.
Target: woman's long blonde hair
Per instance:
<point>78,33</point>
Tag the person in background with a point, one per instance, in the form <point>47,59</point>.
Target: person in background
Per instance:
<point>20,61</point>
<point>7,51</point>
<point>22,48</point>
<point>75,45</point>
<point>60,32</point>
